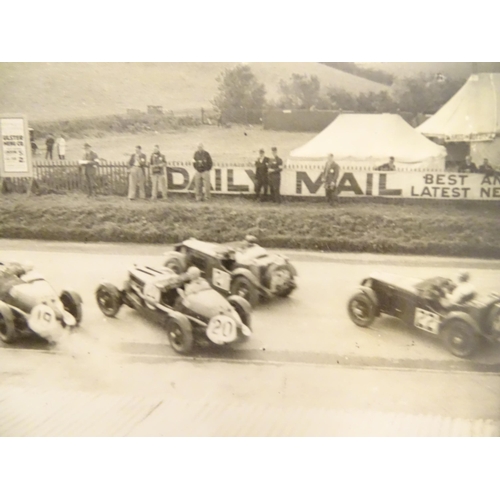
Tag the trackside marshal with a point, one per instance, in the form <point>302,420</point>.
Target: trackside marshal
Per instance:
<point>15,150</point>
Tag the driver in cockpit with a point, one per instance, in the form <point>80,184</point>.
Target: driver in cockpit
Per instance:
<point>461,294</point>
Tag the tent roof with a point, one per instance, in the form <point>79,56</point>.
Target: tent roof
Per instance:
<point>472,114</point>
<point>367,137</point>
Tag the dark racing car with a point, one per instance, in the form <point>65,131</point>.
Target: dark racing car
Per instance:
<point>185,305</point>
<point>418,303</point>
<point>29,305</point>
<point>239,268</point>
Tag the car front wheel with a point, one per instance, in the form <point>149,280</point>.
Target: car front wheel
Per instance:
<point>180,335</point>
<point>72,303</point>
<point>109,300</point>
<point>460,338</point>
<point>7,326</point>
<point>361,309</point>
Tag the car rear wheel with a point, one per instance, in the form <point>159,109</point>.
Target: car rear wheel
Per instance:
<point>180,335</point>
<point>244,288</point>
<point>176,264</point>
<point>494,320</point>
<point>7,325</point>
<point>361,309</point>
<point>109,300</point>
<point>72,303</point>
<point>460,338</point>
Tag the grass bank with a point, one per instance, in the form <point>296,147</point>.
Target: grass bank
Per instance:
<point>470,229</point>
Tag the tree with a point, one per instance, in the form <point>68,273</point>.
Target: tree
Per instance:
<point>300,92</point>
<point>240,97</point>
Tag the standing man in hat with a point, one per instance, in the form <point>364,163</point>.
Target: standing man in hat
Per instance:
<point>274,175</point>
<point>49,144</point>
<point>90,161</point>
<point>330,178</point>
<point>202,162</point>
<point>158,173</point>
<point>261,176</point>
<point>137,174</point>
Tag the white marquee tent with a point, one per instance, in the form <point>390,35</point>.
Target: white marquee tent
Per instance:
<point>368,141</point>
<point>471,116</point>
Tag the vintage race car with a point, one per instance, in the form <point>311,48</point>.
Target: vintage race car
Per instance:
<point>240,268</point>
<point>186,306</point>
<point>417,303</point>
<point>28,305</point>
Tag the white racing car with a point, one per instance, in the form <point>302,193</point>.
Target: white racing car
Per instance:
<point>29,305</point>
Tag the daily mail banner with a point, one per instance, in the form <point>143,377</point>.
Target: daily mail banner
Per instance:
<point>297,182</point>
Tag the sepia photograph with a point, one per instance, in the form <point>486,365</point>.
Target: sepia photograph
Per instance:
<point>312,245</point>
<point>223,253</point>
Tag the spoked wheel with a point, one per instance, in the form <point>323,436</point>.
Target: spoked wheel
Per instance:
<point>180,335</point>
<point>244,288</point>
<point>361,309</point>
<point>109,300</point>
<point>459,338</point>
<point>7,326</point>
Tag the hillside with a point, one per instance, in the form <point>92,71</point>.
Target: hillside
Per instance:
<point>68,90</point>
<point>451,69</point>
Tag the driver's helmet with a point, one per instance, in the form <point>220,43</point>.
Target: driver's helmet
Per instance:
<point>251,240</point>
<point>463,276</point>
<point>193,273</point>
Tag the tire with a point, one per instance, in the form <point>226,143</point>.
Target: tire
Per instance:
<point>176,263</point>
<point>361,309</point>
<point>243,309</point>
<point>284,291</point>
<point>7,325</point>
<point>244,288</point>
<point>180,335</point>
<point>460,338</point>
<point>493,321</point>
<point>109,300</point>
<point>72,303</point>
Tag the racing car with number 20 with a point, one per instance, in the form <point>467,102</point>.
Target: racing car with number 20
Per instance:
<point>185,305</point>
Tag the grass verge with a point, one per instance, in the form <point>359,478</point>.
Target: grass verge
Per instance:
<point>467,229</point>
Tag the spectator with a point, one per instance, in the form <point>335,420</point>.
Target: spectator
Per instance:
<point>387,167</point>
<point>330,178</point>
<point>90,161</point>
<point>34,148</point>
<point>158,173</point>
<point>202,162</point>
<point>49,144</point>
<point>261,177</point>
<point>61,147</point>
<point>468,166</point>
<point>137,174</point>
<point>486,168</point>
<point>274,176</point>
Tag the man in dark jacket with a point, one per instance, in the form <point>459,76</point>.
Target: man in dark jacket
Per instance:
<point>387,167</point>
<point>137,174</point>
<point>468,166</point>
<point>49,144</point>
<point>486,168</point>
<point>158,174</point>
<point>274,176</point>
<point>261,178</point>
<point>330,178</point>
<point>202,162</point>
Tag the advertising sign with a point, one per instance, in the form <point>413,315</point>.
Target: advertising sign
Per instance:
<point>15,148</point>
<point>308,183</point>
